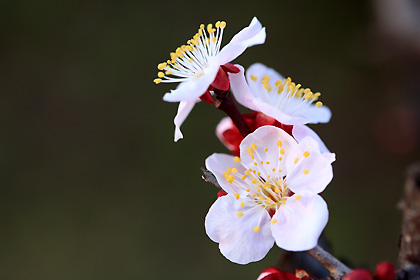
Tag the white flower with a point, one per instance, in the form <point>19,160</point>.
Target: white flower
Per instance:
<point>272,195</point>
<point>267,91</point>
<point>196,65</point>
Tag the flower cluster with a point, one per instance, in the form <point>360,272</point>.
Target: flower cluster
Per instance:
<point>271,184</point>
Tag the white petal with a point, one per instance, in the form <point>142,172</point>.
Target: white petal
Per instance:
<point>319,115</point>
<point>193,88</point>
<point>271,111</point>
<point>267,137</point>
<point>252,35</point>
<point>300,222</point>
<point>236,237</point>
<point>301,131</point>
<point>313,172</point>
<point>184,109</point>
<point>240,89</point>
<point>259,70</point>
<point>217,164</point>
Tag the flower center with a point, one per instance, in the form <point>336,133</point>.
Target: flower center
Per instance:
<point>188,61</point>
<point>288,96</point>
<point>265,181</point>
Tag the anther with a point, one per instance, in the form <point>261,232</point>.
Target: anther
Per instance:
<point>162,66</point>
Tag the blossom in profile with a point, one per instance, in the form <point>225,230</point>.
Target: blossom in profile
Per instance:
<point>230,136</point>
<point>201,65</point>
<point>264,90</point>
<point>272,195</point>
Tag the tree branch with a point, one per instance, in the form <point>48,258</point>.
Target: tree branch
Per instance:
<point>409,256</point>
<point>336,268</point>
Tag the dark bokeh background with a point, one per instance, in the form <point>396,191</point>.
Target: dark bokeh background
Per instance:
<point>92,184</point>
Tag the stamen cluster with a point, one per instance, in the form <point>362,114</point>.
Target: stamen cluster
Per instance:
<point>188,60</point>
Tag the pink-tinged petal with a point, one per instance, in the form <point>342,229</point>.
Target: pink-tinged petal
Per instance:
<point>232,226</point>
<point>224,125</point>
<point>299,222</point>
<point>319,115</point>
<point>279,115</point>
<point>257,71</point>
<point>241,90</point>
<point>194,87</point>
<point>301,131</point>
<point>308,168</point>
<point>219,163</point>
<point>184,109</point>
<point>252,35</point>
<point>269,149</point>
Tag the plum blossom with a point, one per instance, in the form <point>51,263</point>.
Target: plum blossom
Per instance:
<point>272,195</point>
<point>265,90</point>
<point>196,66</point>
<point>230,136</point>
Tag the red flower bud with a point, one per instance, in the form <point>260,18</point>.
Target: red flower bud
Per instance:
<point>359,274</point>
<point>385,271</point>
<point>273,273</point>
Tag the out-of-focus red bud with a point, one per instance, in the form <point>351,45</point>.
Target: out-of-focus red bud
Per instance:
<point>385,271</point>
<point>359,274</point>
<point>272,273</point>
<point>221,193</point>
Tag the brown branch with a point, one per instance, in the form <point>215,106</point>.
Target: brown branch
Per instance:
<point>225,103</point>
<point>336,268</point>
<point>409,256</point>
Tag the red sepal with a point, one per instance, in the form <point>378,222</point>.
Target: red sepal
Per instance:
<point>221,82</point>
<point>230,68</point>
<point>206,97</point>
<point>385,271</point>
<point>287,128</point>
<point>221,193</point>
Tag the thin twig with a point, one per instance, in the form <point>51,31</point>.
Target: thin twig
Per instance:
<point>336,268</point>
<point>225,103</point>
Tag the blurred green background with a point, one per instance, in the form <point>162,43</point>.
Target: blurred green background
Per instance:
<point>92,184</point>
